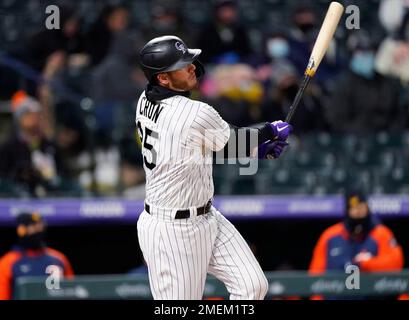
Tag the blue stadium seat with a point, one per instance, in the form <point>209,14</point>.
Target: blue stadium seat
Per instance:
<point>196,12</point>
<point>343,179</point>
<point>396,181</point>
<point>315,160</point>
<point>283,181</point>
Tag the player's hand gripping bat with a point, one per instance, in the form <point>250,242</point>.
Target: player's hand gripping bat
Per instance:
<point>324,38</point>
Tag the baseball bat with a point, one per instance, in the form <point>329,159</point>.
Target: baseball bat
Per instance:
<point>324,38</point>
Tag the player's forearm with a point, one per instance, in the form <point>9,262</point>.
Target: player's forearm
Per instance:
<point>243,140</point>
<point>392,261</point>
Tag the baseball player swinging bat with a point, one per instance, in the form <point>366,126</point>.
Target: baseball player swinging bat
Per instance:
<point>324,38</point>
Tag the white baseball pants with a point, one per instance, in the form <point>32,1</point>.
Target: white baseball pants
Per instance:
<point>181,252</point>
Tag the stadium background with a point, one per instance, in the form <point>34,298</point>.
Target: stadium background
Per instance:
<point>329,152</point>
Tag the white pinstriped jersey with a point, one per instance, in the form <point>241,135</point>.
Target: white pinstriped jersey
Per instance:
<point>175,133</point>
<point>178,136</point>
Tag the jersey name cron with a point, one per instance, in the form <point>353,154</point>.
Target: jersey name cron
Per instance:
<point>150,110</point>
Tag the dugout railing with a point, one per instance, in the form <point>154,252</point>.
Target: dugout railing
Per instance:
<point>281,285</point>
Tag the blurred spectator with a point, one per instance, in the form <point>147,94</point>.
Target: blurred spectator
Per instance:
<point>116,77</point>
<point>392,58</point>
<point>280,79</point>
<point>166,18</point>
<point>302,37</point>
<point>275,60</point>
<point>305,24</point>
<point>279,98</point>
<point>391,14</point>
<point>365,101</point>
<point>115,83</point>
<point>361,239</point>
<point>72,143</point>
<point>54,68</point>
<point>235,92</point>
<point>114,109</point>
<point>66,40</point>
<point>50,50</point>
<point>30,256</point>
<point>113,20</point>
<point>32,160</point>
<point>225,40</point>
<point>132,172</point>
<point>132,179</point>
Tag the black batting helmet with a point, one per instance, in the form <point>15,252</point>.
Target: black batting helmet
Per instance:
<point>168,53</point>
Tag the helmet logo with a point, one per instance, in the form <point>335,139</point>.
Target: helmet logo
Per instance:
<point>180,46</point>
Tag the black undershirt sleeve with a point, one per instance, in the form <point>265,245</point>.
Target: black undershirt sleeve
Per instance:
<point>243,140</point>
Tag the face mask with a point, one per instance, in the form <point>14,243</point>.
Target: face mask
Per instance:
<point>33,241</point>
<point>362,63</point>
<point>358,227</point>
<point>306,27</point>
<point>278,48</point>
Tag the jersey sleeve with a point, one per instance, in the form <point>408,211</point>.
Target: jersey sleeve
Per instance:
<point>6,275</point>
<point>390,255</point>
<point>318,262</point>
<point>208,129</point>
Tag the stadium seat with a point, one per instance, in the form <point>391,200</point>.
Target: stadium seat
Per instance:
<point>315,160</point>
<point>8,4</point>
<point>9,189</point>
<point>396,181</point>
<point>343,179</point>
<point>285,180</point>
<point>383,160</point>
<point>243,185</point>
<point>65,188</point>
<point>251,11</point>
<point>196,12</point>
<point>339,144</point>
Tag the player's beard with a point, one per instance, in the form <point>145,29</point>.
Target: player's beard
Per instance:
<point>187,84</point>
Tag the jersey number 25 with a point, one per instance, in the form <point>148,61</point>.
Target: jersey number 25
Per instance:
<point>147,146</point>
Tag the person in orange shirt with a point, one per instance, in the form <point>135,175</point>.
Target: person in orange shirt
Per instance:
<point>361,239</point>
<point>30,256</point>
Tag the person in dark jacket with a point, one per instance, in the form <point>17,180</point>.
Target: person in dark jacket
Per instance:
<point>365,101</point>
<point>225,40</point>
<point>112,21</point>
<point>66,40</point>
<point>30,256</point>
<point>28,157</point>
<point>360,239</point>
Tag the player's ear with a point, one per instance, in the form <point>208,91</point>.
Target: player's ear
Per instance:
<point>163,79</point>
